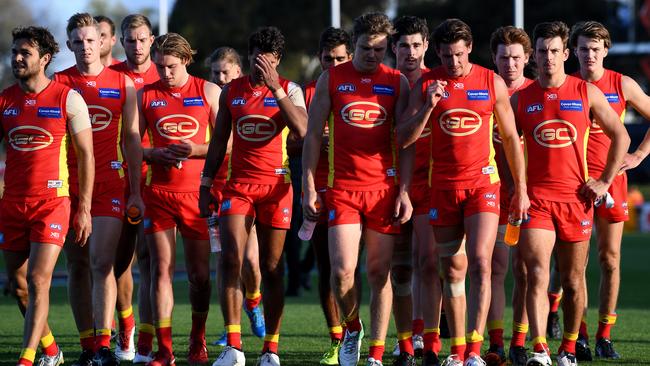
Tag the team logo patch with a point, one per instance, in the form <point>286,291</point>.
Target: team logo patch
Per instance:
<point>459,85</point>
<point>555,133</point>
<point>91,83</point>
<point>364,114</point>
<point>56,227</point>
<point>281,171</point>
<point>55,235</point>
<point>460,122</point>
<point>54,183</point>
<point>331,215</point>
<point>29,138</point>
<point>366,80</point>
<point>490,196</point>
<point>433,214</point>
<point>116,165</point>
<point>238,101</point>
<point>445,95</point>
<point>177,126</point>
<point>30,102</point>
<point>226,205</point>
<point>482,94</point>
<point>585,223</point>
<point>193,102</point>
<point>346,88</point>
<point>100,117</point>
<point>257,93</point>
<point>383,90</point>
<point>270,102</point>
<point>612,97</point>
<point>534,108</point>
<point>10,112</point>
<point>571,105</point>
<point>138,80</point>
<point>488,170</point>
<point>158,103</point>
<point>49,112</point>
<point>551,96</point>
<point>110,93</point>
<point>256,127</point>
<point>115,201</point>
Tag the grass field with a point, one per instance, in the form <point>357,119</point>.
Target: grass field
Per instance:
<point>304,333</point>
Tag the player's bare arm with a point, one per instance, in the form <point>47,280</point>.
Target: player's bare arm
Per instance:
<point>635,96</point>
<point>132,144</point>
<point>417,112</point>
<point>319,109</point>
<point>403,206</point>
<point>216,152</point>
<point>158,155</point>
<point>505,118</point>
<point>292,110</point>
<point>82,140</point>
<point>187,149</point>
<point>607,119</point>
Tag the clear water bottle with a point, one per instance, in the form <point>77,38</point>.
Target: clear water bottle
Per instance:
<point>213,231</point>
<point>308,226</point>
<point>511,237</point>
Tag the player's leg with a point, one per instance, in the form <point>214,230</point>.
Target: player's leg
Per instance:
<point>553,327</point>
<point>417,323</point>
<point>252,280</point>
<point>162,248</point>
<point>197,263</point>
<point>500,258</point>
<point>400,276</point>
<point>146,328</point>
<point>125,347</point>
<point>517,353</point>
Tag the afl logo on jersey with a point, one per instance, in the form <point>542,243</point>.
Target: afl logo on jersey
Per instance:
<point>158,103</point>
<point>364,114</point>
<point>534,108</point>
<point>256,127</point>
<point>177,127</point>
<point>29,138</point>
<point>238,101</point>
<point>555,133</point>
<point>10,112</point>
<point>100,117</point>
<point>460,122</point>
<point>346,88</point>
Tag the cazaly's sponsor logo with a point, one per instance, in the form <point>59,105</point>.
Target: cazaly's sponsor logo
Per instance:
<point>460,122</point>
<point>256,127</point>
<point>100,117</point>
<point>177,126</point>
<point>29,138</point>
<point>555,133</point>
<point>364,114</point>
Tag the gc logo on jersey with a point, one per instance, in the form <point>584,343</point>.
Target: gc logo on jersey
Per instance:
<point>29,138</point>
<point>364,114</point>
<point>177,126</point>
<point>555,133</point>
<point>346,88</point>
<point>100,117</point>
<point>256,127</point>
<point>460,122</point>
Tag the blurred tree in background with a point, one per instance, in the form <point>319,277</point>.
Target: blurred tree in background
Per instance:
<point>14,13</point>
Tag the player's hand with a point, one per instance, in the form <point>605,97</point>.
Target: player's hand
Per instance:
<point>268,72</point>
<point>403,209</point>
<point>435,91</point>
<point>183,150</point>
<point>631,161</point>
<point>83,226</point>
<point>593,189</point>
<point>163,156</point>
<point>208,203</point>
<point>311,205</point>
<point>135,200</point>
<point>519,206</point>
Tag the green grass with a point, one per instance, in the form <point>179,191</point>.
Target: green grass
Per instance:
<point>304,333</point>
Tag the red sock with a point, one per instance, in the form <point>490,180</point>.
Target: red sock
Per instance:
<point>458,347</point>
<point>336,333</point>
<point>271,343</point>
<point>145,338</point>
<point>252,300</point>
<point>27,357</point>
<point>418,326</point>
<point>583,329</point>
<point>49,346</point>
<point>605,323</point>
<point>164,336</point>
<point>126,319</point>
<point>405,342</point>
<point>353,324</point>
<point>233,335</point>
<point>540,345</point>
<point>568,346</point>
<point>432,342</point>
<point>198,325</point>
<point>496,337</point>
<point>24,362</point>
<point>376,350</point>
<point>102,338</point>
<point>87,339</point>
<point>473,347</point>
<point>554,301</point>
<point>518,339</point>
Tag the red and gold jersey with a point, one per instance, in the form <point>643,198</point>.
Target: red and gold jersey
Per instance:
<point>362,151</point>
<point>259,146</point>
<point>322,170</point>
<point>461,130</point>
<point>105,95</point>
<point>36,130</point>
<point>172,115</point>
<point>555,123</point>
<point>139,79</point>
<point>598,145</point>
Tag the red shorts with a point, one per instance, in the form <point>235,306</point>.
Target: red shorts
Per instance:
<point>108,199</point>
<point>43,221</point>
<point>619,212</point>
<point>166,210</point>
<point>420,198</point>
<point>373,209</point>
<point>269,204</point>
<point>570,220</point>
<point>450,207</point>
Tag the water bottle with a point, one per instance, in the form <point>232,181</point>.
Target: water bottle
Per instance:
<point>133,215</point>
<point>308,226</point>
<point>511,237</point>
<point>607,198</point>
<point>213,231</point>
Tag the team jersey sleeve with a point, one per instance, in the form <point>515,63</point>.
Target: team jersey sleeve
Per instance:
<point>295,94</point>
<point>78,118</point>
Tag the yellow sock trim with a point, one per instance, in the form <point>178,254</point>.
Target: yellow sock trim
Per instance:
<point>123,314</point>
<point>607,318</point>
<point>164,323</point>
<point>47,340</point>
<point>377,342</point>
<point>495,324</point>
<point>458,341</point>
<point>404,335</point>
<point>336,329</point>
<point>539,340</point>
<point>570,336</point>
<point>86,333</point>
<point>253,295</point>
<point>28,354</point>
<point>147,328</point>
<point>233,328</point>
<point>473,337</point>
<point>432,330</point>
<point>103,332</point>
<point>272,338</point>
<point>520,327</point>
